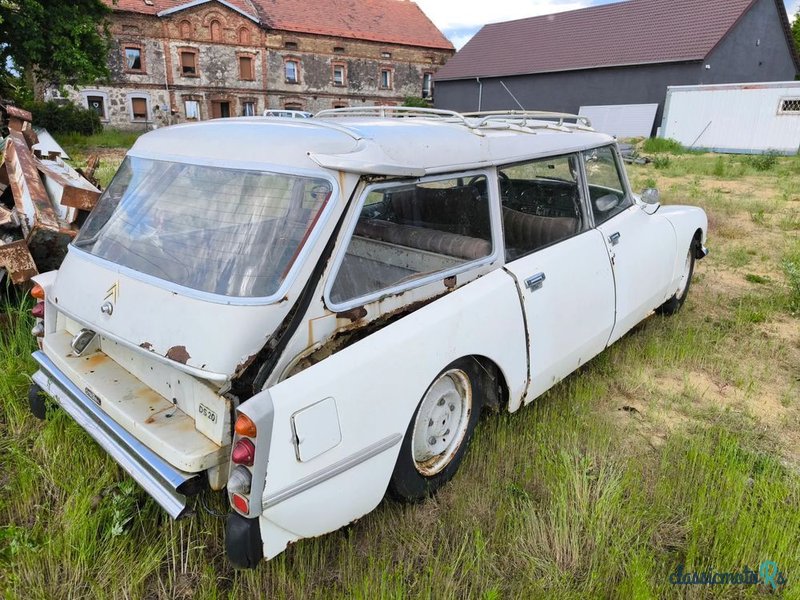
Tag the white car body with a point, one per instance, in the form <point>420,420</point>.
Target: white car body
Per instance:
<point>163,373</point>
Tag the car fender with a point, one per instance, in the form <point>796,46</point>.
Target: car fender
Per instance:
<point>370,391</point>
<point>686,220</point>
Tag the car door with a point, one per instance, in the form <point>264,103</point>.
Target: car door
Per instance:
<point>641,247</point>
<point>560,265</point>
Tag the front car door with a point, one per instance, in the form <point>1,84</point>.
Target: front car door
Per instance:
<point>641,246</point>
<point>560,265</point>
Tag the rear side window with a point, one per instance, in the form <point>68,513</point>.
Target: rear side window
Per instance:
<point>407,232</point>
<point>606,191</point>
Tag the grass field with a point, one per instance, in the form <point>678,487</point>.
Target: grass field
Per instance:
<point>679,445</point>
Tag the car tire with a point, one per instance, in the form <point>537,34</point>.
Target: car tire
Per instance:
<point>439,433</point>
<point>37,402</point>
<point>673,305</point>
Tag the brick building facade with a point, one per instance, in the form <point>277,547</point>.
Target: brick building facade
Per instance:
<point>175,61</point>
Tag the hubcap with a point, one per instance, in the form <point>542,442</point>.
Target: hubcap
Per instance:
<point>684,282</point>
<point>441,422</point>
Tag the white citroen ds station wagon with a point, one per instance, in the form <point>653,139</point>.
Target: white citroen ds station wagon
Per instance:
<point>310,313</point>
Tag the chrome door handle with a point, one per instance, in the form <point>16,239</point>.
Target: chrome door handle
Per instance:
<point>614,238</point>
<point>535,282</point>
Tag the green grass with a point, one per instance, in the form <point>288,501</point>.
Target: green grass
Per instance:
<point>657,145</point>
<point>108,138</point>
<point>676,446</point>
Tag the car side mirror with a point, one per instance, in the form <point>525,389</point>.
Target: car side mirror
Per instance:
<point>607,202</point>
<point>651,196</point>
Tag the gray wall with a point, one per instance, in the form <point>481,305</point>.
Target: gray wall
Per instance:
<point>736,59</point>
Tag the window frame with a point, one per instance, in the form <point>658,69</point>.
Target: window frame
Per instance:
<point>245,101</point>
<point>400,288</point>
<point>86,93</point>
<point>199,103</point>
<point>296,62</point>
<point>148,108</point>
<point>142,70</point>
<point>343,67</point>
<point>196,53</point>
<point>427,92</point>
<point>251,57</point>
<point>621,171</point>
<point>390,71</point>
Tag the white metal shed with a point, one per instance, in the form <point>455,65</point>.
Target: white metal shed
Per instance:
<point>746,118</point>
<point>622,120</point>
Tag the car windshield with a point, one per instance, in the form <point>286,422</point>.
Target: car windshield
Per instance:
<point>225,231</point>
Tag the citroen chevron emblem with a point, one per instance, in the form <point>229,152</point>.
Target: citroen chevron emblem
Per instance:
<point>112,292</point>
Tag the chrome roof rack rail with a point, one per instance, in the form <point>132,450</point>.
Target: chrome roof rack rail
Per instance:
<point>391,111</point>
<point>523,116</point>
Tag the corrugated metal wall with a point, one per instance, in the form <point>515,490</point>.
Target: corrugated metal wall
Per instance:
<point>746,118</point>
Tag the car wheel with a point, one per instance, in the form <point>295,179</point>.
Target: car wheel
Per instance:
<point>37,401</point>
<point>672,305</point>
<point>439,433</point>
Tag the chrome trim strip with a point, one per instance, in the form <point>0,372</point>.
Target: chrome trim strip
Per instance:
<point>162,481</point>
<point>333,470</point>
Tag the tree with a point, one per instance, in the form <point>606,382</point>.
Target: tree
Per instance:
<point>796,31</point>
<point>52,42</point>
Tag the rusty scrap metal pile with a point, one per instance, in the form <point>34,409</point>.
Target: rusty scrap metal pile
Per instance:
<point>43,200</point>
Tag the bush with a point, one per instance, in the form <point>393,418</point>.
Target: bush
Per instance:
<point>763,162</point>
<point>661,162</point>
<point>65,118</point>
<point>660,145</point>
<point>417,102</point>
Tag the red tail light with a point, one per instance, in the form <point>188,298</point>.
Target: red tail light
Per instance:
<point>245,426</point>
<point>244,453</point>
<point>38,310</point>
<point>241,503</point>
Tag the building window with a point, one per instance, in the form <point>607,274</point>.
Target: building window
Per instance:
<point>216,31</point>
<point>292,69</point>
<point>386,55</point>
<point>248,108</point>
<point>427,85</point>
<point>189,62</point>
<point>244,36</point>
<point>97,103</point>
<point>290,45</point>
<point>339,105</point>
<point>192,108</point>
<point>186,30</point>
<point>338,49</point>
<point>789,106</point>
<point>246,68</point>
<point>339,75</point>
<point>133,58</point>
<point>139,109</point>
<point>293,106</point>
<point>386,79</point>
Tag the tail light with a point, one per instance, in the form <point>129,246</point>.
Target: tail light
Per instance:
<point>245,426</point>
<point>37,311</point>
<point>239,481</point>
<point>37,292</point>
<point>240,503</point>
<point>244,453</point>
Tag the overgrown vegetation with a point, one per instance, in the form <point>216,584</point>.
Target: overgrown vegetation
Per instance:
<point>65,118</point>
<point>657,145</point>
<point>678,446</point>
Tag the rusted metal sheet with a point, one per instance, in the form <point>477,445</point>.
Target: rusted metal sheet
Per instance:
<point>47,143</point>
<point>16,117</point>
<point>7,217</point>
<point>30,196</point>
<point>68,190</point>
<point>17,261</point>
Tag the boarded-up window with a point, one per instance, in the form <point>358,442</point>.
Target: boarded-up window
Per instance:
<point>188,63</point>
<point>216,31</point>
<point>97,104</point>
<point>246,68</point>
<point>244,36</point>
<point>186,30</point>
<point>139,108</point>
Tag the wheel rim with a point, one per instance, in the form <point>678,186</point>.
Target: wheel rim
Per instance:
<point>442,421</point>
<point>687,270</point>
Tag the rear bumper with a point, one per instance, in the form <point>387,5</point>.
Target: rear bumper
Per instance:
<point>700,251</point>
<point>167,485</point>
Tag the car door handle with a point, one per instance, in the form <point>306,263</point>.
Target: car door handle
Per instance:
<point>614,238</point>
<point>535,282</point>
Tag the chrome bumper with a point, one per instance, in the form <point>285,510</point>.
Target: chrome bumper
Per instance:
<point>167,485</point>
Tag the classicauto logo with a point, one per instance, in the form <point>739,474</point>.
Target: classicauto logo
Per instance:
<point>768,573</point>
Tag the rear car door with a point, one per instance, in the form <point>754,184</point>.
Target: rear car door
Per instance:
<point>560,265</point>
<point>641,247</point>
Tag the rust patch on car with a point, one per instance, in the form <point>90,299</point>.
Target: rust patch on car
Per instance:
<point>353,315</point>
<point>178,354</point>
<point>450,282</point>
<point>146,346</point>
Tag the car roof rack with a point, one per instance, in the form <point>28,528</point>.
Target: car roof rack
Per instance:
<point>508,119</point>
<point>523,115</point>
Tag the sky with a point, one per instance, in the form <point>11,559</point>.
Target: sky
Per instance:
<point>461,19</point>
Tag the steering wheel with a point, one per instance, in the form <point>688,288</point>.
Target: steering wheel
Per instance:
<point>506,186</point>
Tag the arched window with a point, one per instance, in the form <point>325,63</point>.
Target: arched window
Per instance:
<point>186,30</point>
<point>216,31</point>
<point>244,36</point>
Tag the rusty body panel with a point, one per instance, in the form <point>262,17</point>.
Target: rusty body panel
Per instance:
<point>17,260</point>
<point>30,195</point>
<point>67,188</point>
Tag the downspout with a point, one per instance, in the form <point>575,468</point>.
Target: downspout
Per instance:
<point>480,92</point>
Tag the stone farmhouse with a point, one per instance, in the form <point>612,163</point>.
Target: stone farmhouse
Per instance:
<point>174,61</point>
